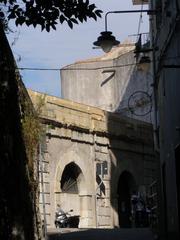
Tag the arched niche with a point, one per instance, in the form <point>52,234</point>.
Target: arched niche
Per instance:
<point>72,192</point>
<point>72,179</point>
<point>71,162</point>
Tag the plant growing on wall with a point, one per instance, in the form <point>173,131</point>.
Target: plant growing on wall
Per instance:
<point>33,130</point>
<point>33,133</point>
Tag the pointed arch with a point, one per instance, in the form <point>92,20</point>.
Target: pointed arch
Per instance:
<point>71,179</point>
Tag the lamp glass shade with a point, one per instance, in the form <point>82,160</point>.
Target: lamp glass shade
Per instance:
<point>106,46</point>
<point>106,41</point>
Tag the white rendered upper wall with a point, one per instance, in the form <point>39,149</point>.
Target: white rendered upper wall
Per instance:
<point>139,2</point>
<point>109,82</point>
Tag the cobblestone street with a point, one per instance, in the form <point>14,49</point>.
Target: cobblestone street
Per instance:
<point>104,234</point>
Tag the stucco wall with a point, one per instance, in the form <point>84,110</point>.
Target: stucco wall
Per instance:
<point>84,86</point>
<point>108,82</point>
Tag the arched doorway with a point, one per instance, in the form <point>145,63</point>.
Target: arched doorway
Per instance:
<point>126,186</point>
<point>71,184</point>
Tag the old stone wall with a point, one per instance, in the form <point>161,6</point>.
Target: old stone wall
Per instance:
<point>83,138</point>
<point>18,194</point>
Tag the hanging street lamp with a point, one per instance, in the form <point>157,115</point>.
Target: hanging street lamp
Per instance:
<point>106,40</point>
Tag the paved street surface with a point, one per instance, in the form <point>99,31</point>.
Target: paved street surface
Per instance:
<point>101,234</point>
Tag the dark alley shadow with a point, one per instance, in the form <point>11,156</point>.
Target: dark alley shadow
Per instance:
<point>105,234</point>
<point>131,133</point>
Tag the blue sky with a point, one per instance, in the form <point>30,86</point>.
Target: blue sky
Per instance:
<point>65,46</point>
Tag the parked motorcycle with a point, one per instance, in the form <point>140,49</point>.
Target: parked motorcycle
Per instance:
<point>62,219</point>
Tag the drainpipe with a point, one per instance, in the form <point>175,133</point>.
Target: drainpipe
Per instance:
<point>154,85</point>
<point>96,218</point>
<point>44,226</point>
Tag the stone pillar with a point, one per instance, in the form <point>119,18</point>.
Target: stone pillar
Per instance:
<point>86,211</point>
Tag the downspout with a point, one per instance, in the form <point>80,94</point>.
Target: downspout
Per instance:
<point>95,195</point>
<point>44,225</point>
<point>154,85</point>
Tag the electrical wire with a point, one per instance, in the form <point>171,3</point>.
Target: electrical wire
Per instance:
<point>67,69</point>
<point>87,69</point>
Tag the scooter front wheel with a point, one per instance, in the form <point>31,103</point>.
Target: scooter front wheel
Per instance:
<point>58,224</point>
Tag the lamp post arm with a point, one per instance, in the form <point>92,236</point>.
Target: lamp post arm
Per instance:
<point>149,12</point>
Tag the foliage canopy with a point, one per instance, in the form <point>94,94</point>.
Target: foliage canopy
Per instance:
<point>48,13</point>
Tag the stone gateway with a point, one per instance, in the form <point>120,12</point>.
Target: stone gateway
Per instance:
<point>92,162</point>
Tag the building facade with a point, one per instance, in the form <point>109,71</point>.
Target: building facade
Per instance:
<point>93,162</point>
<point>114,82</point>
<point>165,34</point>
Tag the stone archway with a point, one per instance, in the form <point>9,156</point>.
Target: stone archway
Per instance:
<point>72,179</point>
<point>71,185</point>
<point>72,169</point>
<point>126,186</point>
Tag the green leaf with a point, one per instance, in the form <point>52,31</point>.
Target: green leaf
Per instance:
<point>47,27</point>
<point>80,18</point>
<point>87,2</point>
<point>34,24</point>
<point>92,7</point>
<point>62,19</point>
<point>98,13</point>
<point>93,15</point>
<point>53,26</point>
<point>15,7</point>
<point>42,26</point>
<point>12,15</point>
<point>74,20</point>
<point>70,24</point>
<point>85,18</point>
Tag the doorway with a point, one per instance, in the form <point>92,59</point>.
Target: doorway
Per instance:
<point>126,186</point>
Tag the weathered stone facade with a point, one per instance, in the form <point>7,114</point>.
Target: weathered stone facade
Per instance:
<point>78,138</point>
<point>165,34</point>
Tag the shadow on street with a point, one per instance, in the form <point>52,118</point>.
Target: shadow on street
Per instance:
<point>103,234</point>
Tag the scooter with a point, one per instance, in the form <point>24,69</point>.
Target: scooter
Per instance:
<point>62,219</point>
